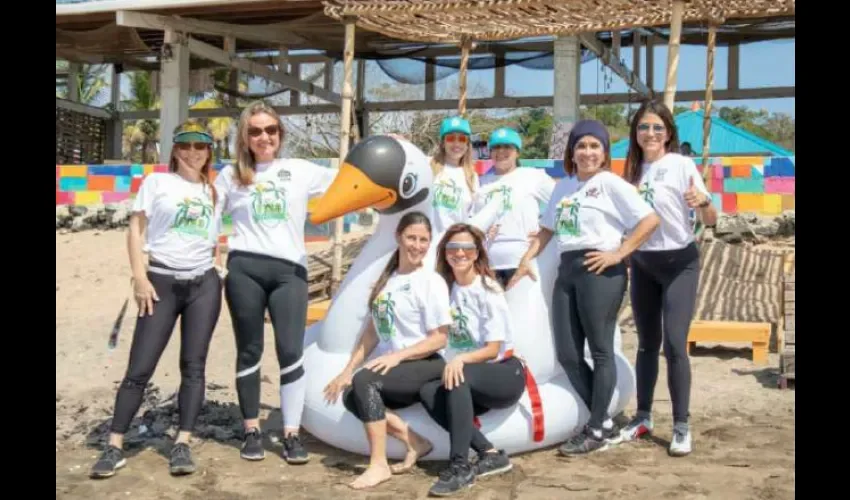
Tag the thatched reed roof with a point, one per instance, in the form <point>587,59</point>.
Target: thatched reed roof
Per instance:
<point>448,21</point>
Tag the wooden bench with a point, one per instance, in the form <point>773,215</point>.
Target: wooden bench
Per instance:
<point>757,334</point>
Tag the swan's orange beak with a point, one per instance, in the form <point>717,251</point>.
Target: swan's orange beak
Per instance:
<point>350,191</point>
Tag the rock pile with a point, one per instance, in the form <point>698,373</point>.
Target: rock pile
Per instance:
<point>78,218</point>
<point>752,228</point>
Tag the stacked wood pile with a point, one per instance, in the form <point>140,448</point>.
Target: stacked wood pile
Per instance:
<point>319,268</point>
<point>786,359</point>
<point>80,138</point>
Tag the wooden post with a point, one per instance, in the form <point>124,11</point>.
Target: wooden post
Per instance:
<point>709,89</point>
<point>344,138</point>
<point>465,46</point>
<point>673,53</point>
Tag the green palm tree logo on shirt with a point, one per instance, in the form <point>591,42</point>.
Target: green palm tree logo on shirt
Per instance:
<point>268,203</point>
<point>648,194</point>
<point>506,193</point>
<point>193,217</point>
<point>459,337</point>
<point>447,195</point>
<point>566,217</point>
<point>383,313</point>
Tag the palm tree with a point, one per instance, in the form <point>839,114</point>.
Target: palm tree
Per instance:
<point>142,133</point>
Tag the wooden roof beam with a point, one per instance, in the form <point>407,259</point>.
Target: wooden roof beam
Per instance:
<point>215,54</point>
<point>606,56</point>
<point>258,33</point>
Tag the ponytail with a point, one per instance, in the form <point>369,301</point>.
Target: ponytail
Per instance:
<point>390,268</point>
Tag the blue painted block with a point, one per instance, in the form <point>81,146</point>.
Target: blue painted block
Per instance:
<point>112,170</point>
<point>123,183</point>
<point>727,172</point>
<point>717,200</point>
<point>137,170</point>
<point>537,163</point>
<point>73,183</point>
<point>757,171</point>
<point>752,186</point>
<point>731,185</point>
<point>784,166</point>
<point>770,170</point>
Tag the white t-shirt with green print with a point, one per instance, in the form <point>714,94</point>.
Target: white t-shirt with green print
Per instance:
<point>408,307</point>
<point>182,227</point>
<point>452,198</point>
<point>594,214</point>
<point>663,184</point>
<point>270,214</point>
<point>479,315</point>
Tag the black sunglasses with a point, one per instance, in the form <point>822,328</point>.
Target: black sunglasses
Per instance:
<point>198,146</point>
<point>256,131</point>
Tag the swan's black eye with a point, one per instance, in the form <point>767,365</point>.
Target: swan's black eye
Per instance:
<point>408,185</point>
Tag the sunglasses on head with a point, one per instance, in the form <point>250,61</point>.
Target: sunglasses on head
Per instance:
<point>186,146</point>
<point>460,245</point>
<point>644,127</point>
<point>461,138</point>
<point>256,131</point>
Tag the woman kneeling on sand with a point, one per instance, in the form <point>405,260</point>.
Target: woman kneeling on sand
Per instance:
<point>409,305</point>
<point>176,212</point>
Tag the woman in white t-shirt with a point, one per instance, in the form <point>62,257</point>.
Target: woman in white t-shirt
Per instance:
<point>410,314</point>
<point>174,222</point>
<point>590,211</point>
<point>455,179</point>
<point>665,270</point>
<point>522,192</point>
<point>267,197</point>
<point>481,373</point>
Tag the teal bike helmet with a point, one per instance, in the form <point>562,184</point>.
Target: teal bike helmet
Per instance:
<point>505,136</point>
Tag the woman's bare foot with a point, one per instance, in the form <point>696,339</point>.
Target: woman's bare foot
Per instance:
<point>374,475</point>
<point>418,448</point>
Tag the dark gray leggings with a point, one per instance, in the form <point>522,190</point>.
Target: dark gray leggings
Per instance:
<point>585,306</point>
<point>663,294</point>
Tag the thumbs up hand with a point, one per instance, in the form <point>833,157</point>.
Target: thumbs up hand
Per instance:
<point>693,197</point>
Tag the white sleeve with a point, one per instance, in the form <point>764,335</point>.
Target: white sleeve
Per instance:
<point>436,311</point>
<point>145,196</point>
<point>547,220</point>
<point>321,180</point>
<point>222,188</point>
<point>496,318</point>
<point>691,172</point>
<point>628,203</point>
<point>544,187</point>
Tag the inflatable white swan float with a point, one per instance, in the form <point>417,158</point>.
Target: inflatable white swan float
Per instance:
<point>394,177</point>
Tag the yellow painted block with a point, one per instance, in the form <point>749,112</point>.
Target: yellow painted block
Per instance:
<point>772,204</point>
<point>746,160</point>
<point>317,312</point>
<point>748,202</point>
<point>726,160</point>
<point>73,170</point>
<point>148,169</point>
<point>88,198</point>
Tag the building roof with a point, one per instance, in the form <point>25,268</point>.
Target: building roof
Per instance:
<point>726,139</point>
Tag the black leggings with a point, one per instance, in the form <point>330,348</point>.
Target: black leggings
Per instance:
<point>663,294</point>
<point>503,276</point>
<point>197,302</point>
<point>585,307</point>
<point>486,386</point>
<point>371,393</point>
<point>253,283</point>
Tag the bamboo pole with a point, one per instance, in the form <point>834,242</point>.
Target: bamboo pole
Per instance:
<point>345,118</point>
<point>673,53</point>
<point>465,47</point>
<point>709,90</point>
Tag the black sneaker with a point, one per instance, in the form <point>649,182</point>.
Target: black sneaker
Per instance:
<point>110,461</point>
<point>293,451</point>
<point>454,479</point>
<point>587,441</point>
<point>493,463</point>
<point>181,462</point>
<point>252,447</point>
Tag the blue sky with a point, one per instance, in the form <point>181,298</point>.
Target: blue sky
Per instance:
<point>762,64</point>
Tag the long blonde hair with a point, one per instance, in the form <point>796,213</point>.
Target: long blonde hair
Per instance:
<point>245,164</point>
<point>438,163</point>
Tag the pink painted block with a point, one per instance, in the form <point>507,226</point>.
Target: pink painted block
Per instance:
<point>64,198</point>
<point>717,172</point>
<point>112,197</point>
<point>160,168</point>
<point>779,185</point>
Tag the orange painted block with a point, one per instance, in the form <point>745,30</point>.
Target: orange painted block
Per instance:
<point>748,202</point>
<point>772,204</point>
<point>746,160</point>
<point>317,312</point>
<point>741,171</point>
<point>101,183</point>
<point>73,170</point>
<point>788,201</point>
<point>88,198</point>
<point>148,169</point>
<point>618,166</point>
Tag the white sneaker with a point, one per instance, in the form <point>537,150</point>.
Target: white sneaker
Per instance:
<point>635,429</point>
<point>681,443</point>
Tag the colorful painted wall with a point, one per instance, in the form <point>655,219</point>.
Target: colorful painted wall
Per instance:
<point>753,184</point>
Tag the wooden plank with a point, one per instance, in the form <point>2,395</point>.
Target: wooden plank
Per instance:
<point>317,311</point>
<point>757,334</point>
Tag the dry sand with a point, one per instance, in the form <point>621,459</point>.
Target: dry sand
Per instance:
<point>743,425</point>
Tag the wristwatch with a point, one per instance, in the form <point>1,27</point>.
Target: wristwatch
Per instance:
<point>706,203</point>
